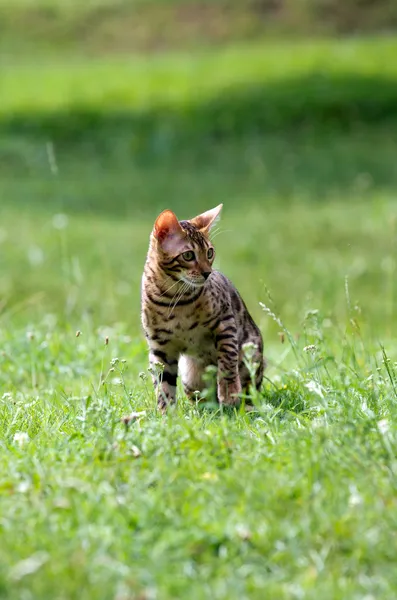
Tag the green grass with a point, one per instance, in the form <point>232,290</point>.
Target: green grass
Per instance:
<point>296,500</point>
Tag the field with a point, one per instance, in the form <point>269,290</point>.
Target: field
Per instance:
<point>295,500</point>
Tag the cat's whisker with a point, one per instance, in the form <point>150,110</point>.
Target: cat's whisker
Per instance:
<point>176,297</point>
<point>170,288</point>
<point>172,300</point>
<point>182,291</point>
<point>220,231</point>
<point>214,233</point>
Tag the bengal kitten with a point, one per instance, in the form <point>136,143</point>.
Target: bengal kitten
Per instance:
<point>192,316</point>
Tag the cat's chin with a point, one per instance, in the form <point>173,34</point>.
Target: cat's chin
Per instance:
<point>196,283</point>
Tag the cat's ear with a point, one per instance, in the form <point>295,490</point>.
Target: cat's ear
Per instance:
<point>168,232</point>
<point>207,220</point>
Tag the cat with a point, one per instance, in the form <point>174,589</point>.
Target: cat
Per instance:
<point>192,316</point>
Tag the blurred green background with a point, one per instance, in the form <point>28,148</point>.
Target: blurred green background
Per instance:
<point>284,111</point>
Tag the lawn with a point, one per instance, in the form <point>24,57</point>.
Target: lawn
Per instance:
<point>295,500</point>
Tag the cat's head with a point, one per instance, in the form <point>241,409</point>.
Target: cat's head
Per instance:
<point>183,249</point>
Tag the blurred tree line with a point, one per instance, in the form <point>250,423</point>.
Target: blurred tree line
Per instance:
<point>333,15</point>
<point>102,26</point>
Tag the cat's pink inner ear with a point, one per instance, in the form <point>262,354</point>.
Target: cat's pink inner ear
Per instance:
<point>205,221</point>
<point>168,231</point>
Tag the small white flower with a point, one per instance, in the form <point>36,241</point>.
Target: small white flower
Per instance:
<point>35,256</point>
<point>355,498</point>
<point>249,346</point>
<point>310,348</point>
<point>366,410</point>
<point>383,426</point>
<point>21,438</point>
<point>60,221</point>
<point>243,531</point>
<point>319,422</point>
<point>315,387</point>
<point>135,451</point>
<point>317,487</point>
<point>23,487</point>
<point>28,566</point>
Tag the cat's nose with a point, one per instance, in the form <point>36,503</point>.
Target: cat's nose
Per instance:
<point>206,274</point>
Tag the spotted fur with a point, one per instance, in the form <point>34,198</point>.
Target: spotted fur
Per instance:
<point>193,317</point>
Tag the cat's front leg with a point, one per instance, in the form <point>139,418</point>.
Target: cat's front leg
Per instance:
<point>164,368</point>
<point>229,385</point>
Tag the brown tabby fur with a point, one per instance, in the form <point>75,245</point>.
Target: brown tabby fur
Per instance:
<point>192,316</point>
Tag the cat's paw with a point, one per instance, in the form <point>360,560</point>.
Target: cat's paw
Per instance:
<point>229,393</point>
<point>164,403</point>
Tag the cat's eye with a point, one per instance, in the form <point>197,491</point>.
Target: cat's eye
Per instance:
<point>210,253</point>
<point>188,256</point>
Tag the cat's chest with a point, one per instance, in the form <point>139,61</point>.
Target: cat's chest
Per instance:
<point>191,333</point>
<point>185,330</point>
